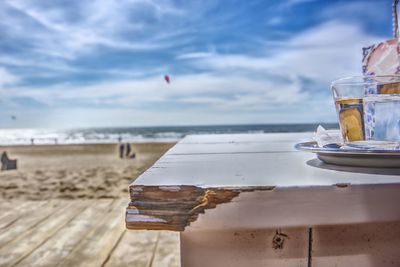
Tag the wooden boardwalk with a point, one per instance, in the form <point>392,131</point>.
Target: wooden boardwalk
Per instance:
<point>79,233</point>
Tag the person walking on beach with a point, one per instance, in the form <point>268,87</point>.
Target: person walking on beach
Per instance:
<point>121,148</point>
<point>128,150</point>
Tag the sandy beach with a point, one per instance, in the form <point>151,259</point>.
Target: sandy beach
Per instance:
<point>89,171</point>
<point>78,194</point>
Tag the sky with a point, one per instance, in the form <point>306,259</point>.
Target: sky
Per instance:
<point>101,63</point>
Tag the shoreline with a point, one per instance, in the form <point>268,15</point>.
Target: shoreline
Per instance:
<point>87,144</point>
<point>71,171</point>
<point>168,134</point>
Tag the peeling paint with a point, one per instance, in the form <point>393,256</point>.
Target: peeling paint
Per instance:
<point>170,188</point>
<point>132,210</point>
<point>144,219</point>
<point>136,188</point>
<point>173,208</point>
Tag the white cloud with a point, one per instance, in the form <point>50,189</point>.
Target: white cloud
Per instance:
<point>54,33</point>
<point>55,67</point>
<point>237,83</point>
<point>195,55</point>
<point>351,10</point>
<point>326,52</point>
<point>7,78</point>
<point>323,53</point>
<point>231,90</point>
<point>279,82</point>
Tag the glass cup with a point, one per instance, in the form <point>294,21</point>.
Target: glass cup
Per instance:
<point>368,108</point>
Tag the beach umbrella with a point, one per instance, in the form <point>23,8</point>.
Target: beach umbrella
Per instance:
<point>167,79</point>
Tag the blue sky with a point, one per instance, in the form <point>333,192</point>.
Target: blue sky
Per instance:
<point>74,63</point>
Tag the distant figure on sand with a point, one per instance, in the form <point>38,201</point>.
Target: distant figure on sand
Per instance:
<point>32,141</point>
<point>121,149</point>
<point>6,163</point>
<point>128,153</point>
<point>128,150</point>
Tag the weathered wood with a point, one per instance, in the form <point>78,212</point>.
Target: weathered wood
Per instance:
<point>167,253</point>
<point>7,207</point>
<point>174,208</point>
<point>136,248</point>
<point>268,208</point>
<point>13,213</point>
<point>202,173</point>
<point>303,207</point>
<point>268,138</point>
<point>60,245</point>
<point>258,248</point>
<point>357,245</point>
<point>95,248</point>
<point>280,169</point>
<point>133,249</point>
<point>24,244</point>
<point>237,143</point>
<point>21,223</point>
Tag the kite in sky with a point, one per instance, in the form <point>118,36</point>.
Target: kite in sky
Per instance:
<point>167,79</point>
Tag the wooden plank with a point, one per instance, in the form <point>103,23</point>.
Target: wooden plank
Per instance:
<point>6,206</point>
<point>172,209</point>
<point>24,244</point>
<point>238,143</point>
<point>17,211</point>
<point>167,252</point>
<point>188,181</point>
<point>35,214</point>
<point>94,250</point>
<point>245,138</point>
<point>252,209</point>
<point>304,207</point>
<point>357,245</point>
<point>63,242</point>
<point>136,248</point>
<point>258,248</point>
<point>258,169</point>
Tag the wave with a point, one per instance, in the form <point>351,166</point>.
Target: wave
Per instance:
<point>137,134</point>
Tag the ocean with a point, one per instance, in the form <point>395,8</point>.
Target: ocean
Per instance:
<point>140,134</point>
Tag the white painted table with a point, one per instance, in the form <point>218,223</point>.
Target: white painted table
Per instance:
<point>252,200</point>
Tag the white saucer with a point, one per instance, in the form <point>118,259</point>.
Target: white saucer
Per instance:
<point>333,154</point>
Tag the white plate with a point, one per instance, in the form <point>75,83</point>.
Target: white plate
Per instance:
<point>333,154</point>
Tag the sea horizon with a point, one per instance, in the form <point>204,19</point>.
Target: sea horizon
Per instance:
<point>105,135</point>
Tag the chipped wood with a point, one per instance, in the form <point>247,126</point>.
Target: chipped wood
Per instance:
<point>161,208</point>
<point>205,171</point>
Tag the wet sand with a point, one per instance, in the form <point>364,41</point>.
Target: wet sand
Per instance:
<point>75,171</point>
